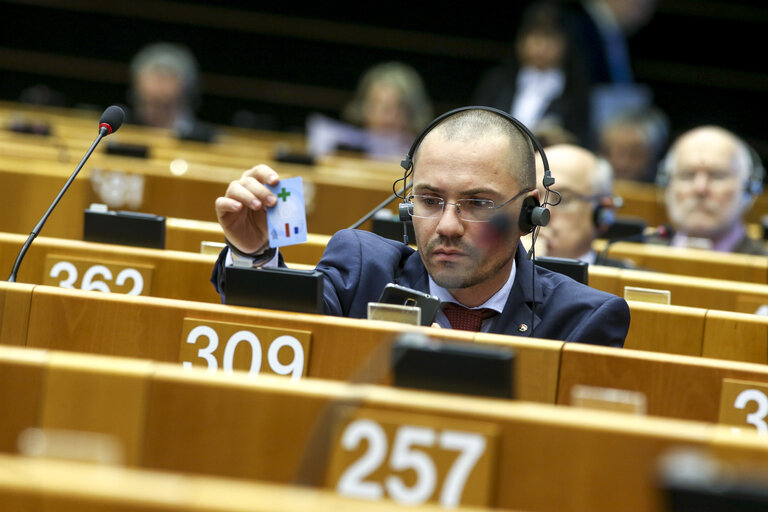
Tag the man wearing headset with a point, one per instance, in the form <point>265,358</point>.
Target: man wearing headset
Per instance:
<point>711,178</point>
<point>586,208</point>
<point>472,166</point>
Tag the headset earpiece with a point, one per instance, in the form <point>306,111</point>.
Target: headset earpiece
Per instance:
<point>402,211</point>
<point>532,214</point>
<point>604,214</point>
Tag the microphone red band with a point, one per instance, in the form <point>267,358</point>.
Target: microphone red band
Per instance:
<point>107,126</point>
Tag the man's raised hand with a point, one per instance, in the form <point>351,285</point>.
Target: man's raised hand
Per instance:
<point>242,212</point>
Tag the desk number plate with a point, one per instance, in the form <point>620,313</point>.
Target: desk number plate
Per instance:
<point>251,348</point>
<point>413,459</point>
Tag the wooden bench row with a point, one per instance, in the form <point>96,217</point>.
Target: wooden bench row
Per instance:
<point>710,324</point>
<point>46,484</point>
<point>185,275</point>
<point>483,452</point>
<point>301,345</point>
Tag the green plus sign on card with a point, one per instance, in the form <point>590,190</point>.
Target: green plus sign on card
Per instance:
<point>287,220</point>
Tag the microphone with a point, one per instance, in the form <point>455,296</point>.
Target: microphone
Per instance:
<point>110,122</point>
<point>662,231</point>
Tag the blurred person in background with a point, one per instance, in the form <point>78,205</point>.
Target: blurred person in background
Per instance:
<point>633,142</point>
<point>586,209</point>
<point>389,107</point>
<point>543,81</point>
<point>601,30</point>
<point>710,178</point>
<point>165,91</point>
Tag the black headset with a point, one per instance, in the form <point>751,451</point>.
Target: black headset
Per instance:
<point>533,214</point>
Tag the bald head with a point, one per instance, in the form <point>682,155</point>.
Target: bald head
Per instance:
<point>582,179</point>
<point>482,124</point>
<point>708,168</point>
<point>710,146</point>
<point>577,170</point>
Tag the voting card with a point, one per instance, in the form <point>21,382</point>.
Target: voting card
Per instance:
<point>287,219</point>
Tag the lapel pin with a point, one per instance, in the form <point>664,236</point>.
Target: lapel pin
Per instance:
<point>522,328</point>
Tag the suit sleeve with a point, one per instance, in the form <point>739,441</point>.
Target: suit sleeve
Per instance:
<point>356,266</point>
<point>607,325</point>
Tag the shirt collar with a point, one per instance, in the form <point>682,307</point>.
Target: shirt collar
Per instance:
<point>496,302</point>
<point>589,257</point>
<point>726,243</point>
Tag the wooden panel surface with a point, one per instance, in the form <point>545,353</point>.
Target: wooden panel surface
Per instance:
<point>22,378</point>
<point>15,299</point>
<point>736,336</point>
<point>97,394</point>
<point>664,328</point>
<point>675,386</point>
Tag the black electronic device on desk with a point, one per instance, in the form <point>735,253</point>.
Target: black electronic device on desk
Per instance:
<point>453,367</point>
<point>403,296</point>
<point>124,149</point>
<point>124,228</point>
<point>285,289</point>
<point>626,227</point>
<point>575,269</point>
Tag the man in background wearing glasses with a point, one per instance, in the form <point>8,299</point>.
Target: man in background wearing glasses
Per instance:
<point>586,209</point>
<point>471,167</point>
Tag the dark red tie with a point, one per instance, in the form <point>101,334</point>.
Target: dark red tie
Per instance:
<point>464,318</point>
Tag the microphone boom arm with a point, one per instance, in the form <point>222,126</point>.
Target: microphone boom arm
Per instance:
<point>103,131</point>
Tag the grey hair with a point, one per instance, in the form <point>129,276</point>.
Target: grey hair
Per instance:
<point>168,57</point>
<point>602,178</point>
<point>478,123</point>
<point>403,78</point>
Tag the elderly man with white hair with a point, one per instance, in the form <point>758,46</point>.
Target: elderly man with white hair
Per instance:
<point>711,178</point>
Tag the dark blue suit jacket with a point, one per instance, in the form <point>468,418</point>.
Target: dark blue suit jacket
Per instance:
<point>358,264</point>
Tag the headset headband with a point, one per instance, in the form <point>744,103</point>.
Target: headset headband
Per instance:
<point>407,163</point>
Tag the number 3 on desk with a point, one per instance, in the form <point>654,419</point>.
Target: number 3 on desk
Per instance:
<point>739,398</point>
<point>412,463</point>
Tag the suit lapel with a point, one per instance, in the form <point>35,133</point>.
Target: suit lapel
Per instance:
<point>413,274</point>
<point>516,317</point>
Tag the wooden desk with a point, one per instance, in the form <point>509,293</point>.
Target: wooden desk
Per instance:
<point>340,348</point>
<point>270,429</point>
<point>174,274</point>
<point>736,336</point>
<point>675,386</point>
<point>15,299</point>
<point>539,447</point>
<point>699,292</point>
<point>691,262</point>
<point>46,485</point>
<point>337,192</point>
<point>22,380</point>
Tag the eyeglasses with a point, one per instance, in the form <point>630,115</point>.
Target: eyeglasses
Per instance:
<point>568,198</point>
<point>469,210</point>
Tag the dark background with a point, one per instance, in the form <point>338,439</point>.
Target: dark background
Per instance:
<point>704,60</point>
